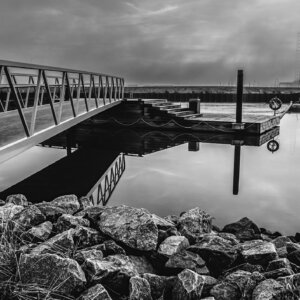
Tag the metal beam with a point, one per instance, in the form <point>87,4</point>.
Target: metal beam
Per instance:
<point>16,96</point>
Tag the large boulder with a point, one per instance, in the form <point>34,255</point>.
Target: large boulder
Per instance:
<point>258,252</point>
<point>194,223</point>
<point>192,286</point>
<point>27,218</point>
<point>38,233</point>
<point>291,283</point>
<point>132,226</point>
<point>17,199</point>
<point>53,272</point>
<point>51,212</point>
<point>96,292</point>
<point>219,253</point>
<point>108,247</point>
<point>244,229</point>
<point>69,203</point>
<point>162,223</point>
<point>8,211</point>
<point>161,286</point>
<point>142,264</point>
<point>82,255</point>
<point>187,260</point>
<point>172,245</point>
<point>86,237</point>
<point>139,289</point>
<point>268,289</point>
<point>61,244</point>
<point>113,271</point>
<point>66,222</point>
<point>236,286</point>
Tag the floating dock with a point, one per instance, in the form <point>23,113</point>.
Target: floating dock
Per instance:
<point>164,115</point>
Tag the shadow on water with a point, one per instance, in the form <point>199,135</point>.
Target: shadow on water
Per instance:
<point>95,159</point>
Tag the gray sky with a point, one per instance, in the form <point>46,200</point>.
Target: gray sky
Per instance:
<point>156,42</point>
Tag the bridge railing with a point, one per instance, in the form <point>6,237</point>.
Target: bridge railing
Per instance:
<point>32,89</point>
<point>103,189</point>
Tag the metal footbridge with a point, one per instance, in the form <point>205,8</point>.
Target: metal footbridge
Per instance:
<point>37,102</point>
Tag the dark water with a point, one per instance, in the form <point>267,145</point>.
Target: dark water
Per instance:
<point>172,180</point>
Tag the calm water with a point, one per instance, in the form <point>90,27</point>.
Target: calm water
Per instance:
<point>174,180</point>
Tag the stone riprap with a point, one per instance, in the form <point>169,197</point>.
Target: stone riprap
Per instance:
<point>68,249</point>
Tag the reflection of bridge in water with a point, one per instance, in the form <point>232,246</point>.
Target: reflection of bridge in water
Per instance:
<point>98,163</point>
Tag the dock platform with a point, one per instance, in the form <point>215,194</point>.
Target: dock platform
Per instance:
<point>161,114</point>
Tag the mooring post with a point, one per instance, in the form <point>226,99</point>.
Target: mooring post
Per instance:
<point>239,96</point>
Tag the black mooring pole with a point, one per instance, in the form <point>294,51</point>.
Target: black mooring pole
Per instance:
<point>236,169</point>
<point>239,96</point>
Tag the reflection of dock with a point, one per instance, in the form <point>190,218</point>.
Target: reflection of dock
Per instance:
<point>98,163</point>
<point>142,142</point>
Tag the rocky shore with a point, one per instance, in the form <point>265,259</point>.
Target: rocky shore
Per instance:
<point>70,249</point>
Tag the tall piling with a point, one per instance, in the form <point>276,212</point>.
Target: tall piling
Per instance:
<point>239,96</point>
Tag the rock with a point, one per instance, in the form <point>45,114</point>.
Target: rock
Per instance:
<point>139,289</point>
<point>82,255</point>
<point>162,223</point>
<point>66,222</point>
<point>194,223</point>
<point>2,202</point>
<point>132,226</point>
<point>294,257</point>
<point>282,252</point>
<point>268,290</point>
<point>172,245</point>
<point>244,229</point>
<point>297,237</point>
<point>281,241</point>
<point>172,218</point>
<point>27,218</point>
<point>51,212</point>
<point>85,202</point>
<point>274,274</point>
<point>108,247</point>
<point>60,244</point>
<point>218,253</point>
<point>17,199</point>
<point>142,264</point>
<point>258,252</point>
<point>69,203</point>
<point>187,260</point>
<point>86,237</point>
<point>278,264</point>
<point>192,286</point>
<point>38,233</point>
<point>96,292</point>
<point>291,247</point>
<point>234,287</point>
<point>113,271</point>
<point>245,267</point>
<point>163,234</point>
<point>50,270</point>
<point>8,211</point>
<point>92,213</point>
<point>160,285</point>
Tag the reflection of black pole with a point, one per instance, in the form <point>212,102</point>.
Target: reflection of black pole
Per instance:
<point>239,96</point>
<point>236,169</point>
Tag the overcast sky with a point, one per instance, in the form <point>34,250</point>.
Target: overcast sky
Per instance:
<point>156,42</point>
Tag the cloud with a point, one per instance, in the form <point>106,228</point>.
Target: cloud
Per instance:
<point>190,42</point>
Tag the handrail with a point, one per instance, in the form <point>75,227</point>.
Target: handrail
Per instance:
<point>54,90</point>
<point>22,65</point>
